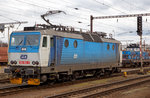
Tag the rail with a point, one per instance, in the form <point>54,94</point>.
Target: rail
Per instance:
<point>97,91</point>
<point>4,91</point>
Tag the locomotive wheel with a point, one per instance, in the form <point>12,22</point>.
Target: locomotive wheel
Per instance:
<point>118,70</point>
<point>73,77</point>
<point>44,78</point>
<point>107,73</point>
<point>64,77</point>
<point>97,75</point>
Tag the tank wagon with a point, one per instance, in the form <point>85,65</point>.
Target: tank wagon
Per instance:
<point>131,56</point>
<point>3,55</point>
<point>35,56</point>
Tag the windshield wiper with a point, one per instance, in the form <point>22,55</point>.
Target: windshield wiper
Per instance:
<point>19,43</point>
<point>29,43</point>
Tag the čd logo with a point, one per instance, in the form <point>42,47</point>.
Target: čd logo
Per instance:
<point>23,57</point>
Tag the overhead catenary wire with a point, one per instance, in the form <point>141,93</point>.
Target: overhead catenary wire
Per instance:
<point>5,16</point>
<point>68,14</point>
<point>53,7</point>
<point>33,4</point>
<point>12,7</point>
<point>9,18</point>
<point>48,8</point>
<point>133,5</point>
<point>102,23</point>
<point>109,6</point>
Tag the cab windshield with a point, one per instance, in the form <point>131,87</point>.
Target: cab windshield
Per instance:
<point>32,40</point>
<point>28,40</point>
<point>17,40</point>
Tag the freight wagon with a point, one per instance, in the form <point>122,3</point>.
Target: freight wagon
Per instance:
<point>3,55</point>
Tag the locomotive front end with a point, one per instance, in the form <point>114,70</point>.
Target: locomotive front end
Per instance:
<point>24,58</point>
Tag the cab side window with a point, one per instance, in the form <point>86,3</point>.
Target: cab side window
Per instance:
<point>44,44</point>
<point>52,42</point>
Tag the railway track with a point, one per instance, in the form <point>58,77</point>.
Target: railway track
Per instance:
<point>4,81</point>
<point>22,88</point>
<point>12,89</point>
<point>103,90</point>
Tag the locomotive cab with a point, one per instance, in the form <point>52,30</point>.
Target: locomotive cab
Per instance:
<point>24,49</point>
<point>27,52</point>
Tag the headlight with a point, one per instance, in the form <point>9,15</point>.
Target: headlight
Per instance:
<point>15,62</point>
<point>37,63</point>
<point>33,62</point>
<point>11,62</point>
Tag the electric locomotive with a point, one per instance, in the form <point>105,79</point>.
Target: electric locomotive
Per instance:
<point>36,55</point>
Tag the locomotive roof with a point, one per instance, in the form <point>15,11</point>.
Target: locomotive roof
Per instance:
<point>85,36</point>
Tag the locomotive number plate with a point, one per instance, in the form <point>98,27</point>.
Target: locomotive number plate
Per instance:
<point>24,62</point>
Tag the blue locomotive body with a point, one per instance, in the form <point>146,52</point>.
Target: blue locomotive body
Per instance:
<point>38,56</point>
<point>83,52</point>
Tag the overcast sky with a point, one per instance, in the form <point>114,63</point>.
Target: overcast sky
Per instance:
<point>122,29</point>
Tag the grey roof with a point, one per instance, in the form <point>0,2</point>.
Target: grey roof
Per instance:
<point>77,35</point>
